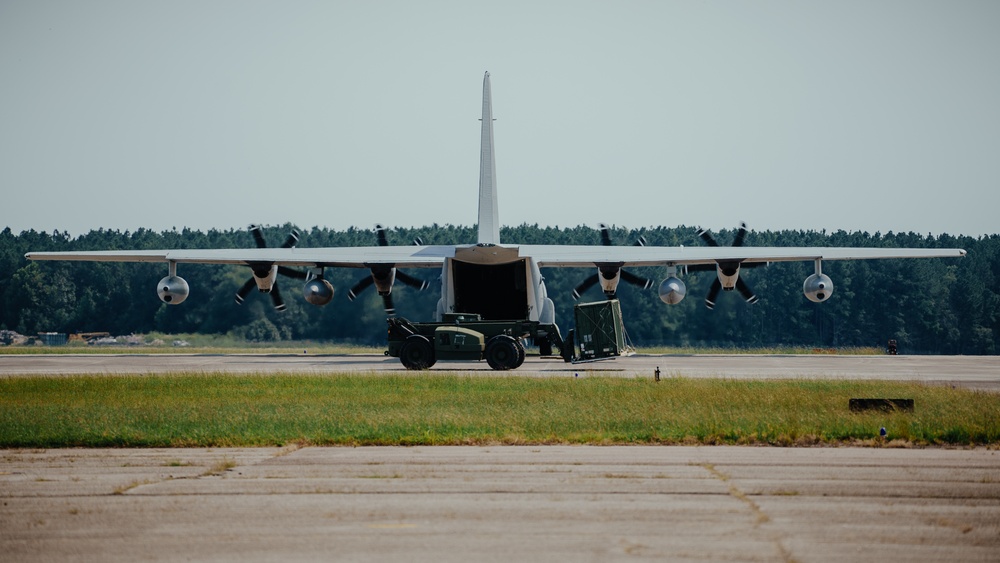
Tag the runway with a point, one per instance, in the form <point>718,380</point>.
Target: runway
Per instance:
<point>504,503</point>
<point>976,372</point>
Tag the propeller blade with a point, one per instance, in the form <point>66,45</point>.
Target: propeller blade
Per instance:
<point>636,280</point>
<point>390,309</point>
<point>288,272</point>
<point>292,240</point>
<point>380,235</point>
<point>279,303</point>
<point>707,237</point>
<point>641,241</point>
<point>411,281</point>
<point>605,234</point>
<point>245,290</point>
<point>740,235</point>
<point>745,291</point>
<point>258,237</point>
<point>417,241</point>
<point>713,292</point>
<point>584,286</point>
<point>359,287</point>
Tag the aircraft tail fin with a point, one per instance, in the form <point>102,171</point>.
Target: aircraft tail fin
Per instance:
<point>489,222</point>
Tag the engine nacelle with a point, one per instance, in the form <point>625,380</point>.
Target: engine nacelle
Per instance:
<point>318,292</point>
<point>173,290</point>
<point>609,276</point>
<point>728,273</point>
<point>265,276</point>
<point>383,277</point>
<point>818,288</point>
<point>672,290</point>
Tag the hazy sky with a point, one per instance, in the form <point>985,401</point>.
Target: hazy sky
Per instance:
<point>864,115</point>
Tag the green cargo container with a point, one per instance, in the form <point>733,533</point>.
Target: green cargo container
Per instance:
<point>599,330</point>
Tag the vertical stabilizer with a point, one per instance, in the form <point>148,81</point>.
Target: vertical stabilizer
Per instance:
<point>489,223</point>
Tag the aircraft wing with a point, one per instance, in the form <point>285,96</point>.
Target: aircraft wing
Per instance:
<point>549,256</point>
<point>344,257</point>
<point>546,256</point>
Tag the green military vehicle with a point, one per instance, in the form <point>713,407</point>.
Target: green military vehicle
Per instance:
<point>501,342</point>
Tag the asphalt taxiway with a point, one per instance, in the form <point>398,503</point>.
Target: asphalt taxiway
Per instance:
<point>977,372</point>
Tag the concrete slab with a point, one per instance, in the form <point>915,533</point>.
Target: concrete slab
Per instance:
<point>500,504</point>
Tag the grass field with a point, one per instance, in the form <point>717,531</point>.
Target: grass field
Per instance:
<point>367,409</point>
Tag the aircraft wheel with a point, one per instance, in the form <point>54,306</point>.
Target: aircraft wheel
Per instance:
<point>417,352</point>
<point>502,352</point>
<point>520,353</point>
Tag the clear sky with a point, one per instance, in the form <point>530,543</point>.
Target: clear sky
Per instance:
<point>857,115</point>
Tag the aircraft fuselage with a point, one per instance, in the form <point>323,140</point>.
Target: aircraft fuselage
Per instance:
<point>495,282</point>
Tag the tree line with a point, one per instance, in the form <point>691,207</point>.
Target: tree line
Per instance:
<point>939,306</point>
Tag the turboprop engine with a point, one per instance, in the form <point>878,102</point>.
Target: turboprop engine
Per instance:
<point>383,276</point>
<point>609,278</point>
<point>728,273</point>
<point>610,274</point>
<point>818,287</point>
<point>264,276</point>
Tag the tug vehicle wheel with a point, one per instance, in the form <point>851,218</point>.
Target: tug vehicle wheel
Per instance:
<point>502,352</point>
<point>417,352</point>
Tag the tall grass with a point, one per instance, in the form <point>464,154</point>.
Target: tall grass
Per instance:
<point>370,409</point>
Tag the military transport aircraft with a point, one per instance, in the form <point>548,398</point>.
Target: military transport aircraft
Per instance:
<point>496,280</point>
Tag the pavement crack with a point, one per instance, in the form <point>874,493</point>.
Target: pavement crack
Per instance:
<point>133,485</point>
<point>290,448</point>
<point>760,517</point>
<point>220,467</point>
